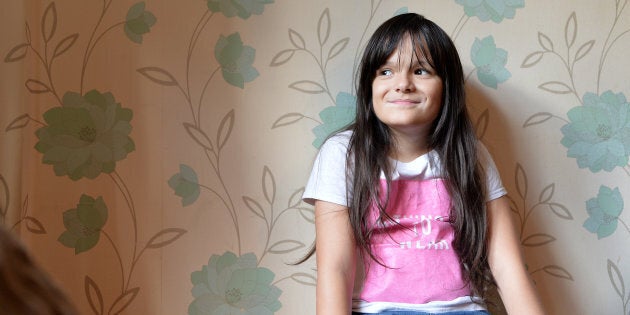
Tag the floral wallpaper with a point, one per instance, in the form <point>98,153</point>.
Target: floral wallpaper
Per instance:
<point>153,153</point>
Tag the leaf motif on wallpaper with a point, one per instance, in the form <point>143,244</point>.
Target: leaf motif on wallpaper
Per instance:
<point>199,136</point>
<point>547,193</point>
<point>18,123</point>
<point>254,207</point>
<point>296,198</point>
<point>282,57</point>
<point>36,86</point>
<point>583,50</point>
<point>65,44</point>
<point>122,301</point>
<point>337,48</point>
<point>34,225</point>
<point>556,87</point>
<point>481,125</point>
<point>285,246</point>
<point>4,197</point>
<point>158,75</point>
<point>49,22</point>
<point>297,40</point>
<point>570,30</point>
<point>537,239</point>
<point>521,181</point>
<point>94,295</point>
<point>287,119</point>
<point>17,53</point>
<point>537,118</point>
<point>545,42</point>
<point>225,129</point>
<point>323,27</point>
<point>560,210</point>
<point>558,272</point>
<point>616,279</point>
<point>308,214</point>
<point>269,185</point>
<point>165,237</point>
<point>304,278</point>
<point>24,209</point>
<point>532,59</point>
<point>308,86</point>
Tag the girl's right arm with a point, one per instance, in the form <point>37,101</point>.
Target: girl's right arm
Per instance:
<point>336,259</point>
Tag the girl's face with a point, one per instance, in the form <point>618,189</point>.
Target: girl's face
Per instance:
<point>407,93</point>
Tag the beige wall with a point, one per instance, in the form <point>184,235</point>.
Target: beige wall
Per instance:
<point>251,147</point>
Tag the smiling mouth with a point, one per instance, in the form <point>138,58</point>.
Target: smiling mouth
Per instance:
<point>404,102</point>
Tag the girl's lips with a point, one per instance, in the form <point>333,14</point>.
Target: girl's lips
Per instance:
<point>404,102</point>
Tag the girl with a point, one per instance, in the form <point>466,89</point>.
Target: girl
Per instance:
<point>410,212</point>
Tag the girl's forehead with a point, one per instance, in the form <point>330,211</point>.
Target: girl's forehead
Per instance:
<point>408,50</point>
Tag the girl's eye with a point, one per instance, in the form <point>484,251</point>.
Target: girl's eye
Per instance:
<point>421,72</point>
<point>385,72</point>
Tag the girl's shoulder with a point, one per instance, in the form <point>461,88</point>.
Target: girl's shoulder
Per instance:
<point>339,140</point>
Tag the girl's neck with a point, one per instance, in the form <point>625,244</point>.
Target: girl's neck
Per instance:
<point>407,148</point>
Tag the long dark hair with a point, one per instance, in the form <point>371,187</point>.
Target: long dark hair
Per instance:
<point>452,137</point>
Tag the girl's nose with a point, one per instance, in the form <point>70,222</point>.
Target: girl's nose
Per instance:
<point>404,83</point>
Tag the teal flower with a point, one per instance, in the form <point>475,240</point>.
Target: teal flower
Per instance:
<point>231,285</point>
<point>489,61</point>
<point>242,8</point>
<point>495,10</point>
<point>236,60</point>
<point>598,134</point>
<point>86,135</point>
<point>138,22</point>
<point>335,117</point>
<point>604,212</point>
<point>83,224</point>
<point>185,184</point>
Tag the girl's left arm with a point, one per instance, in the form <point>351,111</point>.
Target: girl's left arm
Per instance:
<point>507,263</point>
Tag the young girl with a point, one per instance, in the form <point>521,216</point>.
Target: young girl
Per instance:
<point>409,209</point>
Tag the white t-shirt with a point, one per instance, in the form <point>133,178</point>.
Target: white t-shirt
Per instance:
<point>423,271</point>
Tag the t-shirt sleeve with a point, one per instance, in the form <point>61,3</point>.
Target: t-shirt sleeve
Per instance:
<point>494,186</point>
<point>328,177</point>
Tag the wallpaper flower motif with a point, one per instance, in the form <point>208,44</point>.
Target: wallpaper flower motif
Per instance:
<point>86,135</point>
<point>234,285</point>
<point>138,22</point>
<point>598,134</point>
<point>495,10</point>
<point>489,61</point>
<point>83,224</point>
<point>604,211</point>
<point>236,60</point>
<point>185,184</point>
<point>335,117</point>
<point>240,8</point>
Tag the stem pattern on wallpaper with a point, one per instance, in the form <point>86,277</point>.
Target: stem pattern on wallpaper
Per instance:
<point>597,132</point>
<point>235,63</point>
<point>523,211</point>
<point>84,137</point>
